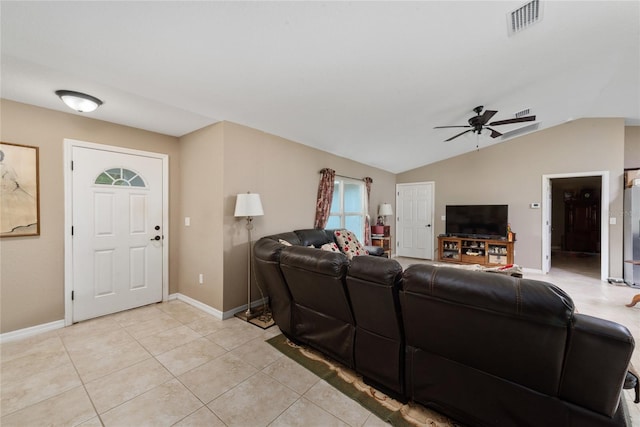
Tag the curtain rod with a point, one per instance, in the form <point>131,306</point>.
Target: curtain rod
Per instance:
<point>350,177</point>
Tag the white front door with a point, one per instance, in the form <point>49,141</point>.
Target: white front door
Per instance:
<point>415,220</point>
<point>117,239</point>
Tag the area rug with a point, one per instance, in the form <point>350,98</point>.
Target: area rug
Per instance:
<point>351,384</point>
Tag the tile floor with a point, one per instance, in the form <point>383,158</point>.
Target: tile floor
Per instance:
<point>172,364</point>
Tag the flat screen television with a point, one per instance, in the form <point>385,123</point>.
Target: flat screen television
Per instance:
<point>481,221</point>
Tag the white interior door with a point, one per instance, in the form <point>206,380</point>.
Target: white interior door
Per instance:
<point>117,220</point>
<point>414,206</point>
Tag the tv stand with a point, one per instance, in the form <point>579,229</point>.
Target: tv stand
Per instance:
<point>474,250</point>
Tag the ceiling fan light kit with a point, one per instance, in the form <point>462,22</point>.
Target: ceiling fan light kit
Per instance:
<point>78,101</point>
<point>479,122</point>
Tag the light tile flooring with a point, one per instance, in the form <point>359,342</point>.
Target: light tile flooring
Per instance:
<point>172,364</point>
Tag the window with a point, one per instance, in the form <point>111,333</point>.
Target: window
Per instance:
<point>348,206</point>
<point>120,177</point>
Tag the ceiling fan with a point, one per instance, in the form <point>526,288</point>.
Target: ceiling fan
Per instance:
<point>480,122</point>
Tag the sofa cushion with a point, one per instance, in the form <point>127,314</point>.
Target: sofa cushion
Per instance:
<point>315,237</point>
<point>349,244</point>
<point>331,247</point>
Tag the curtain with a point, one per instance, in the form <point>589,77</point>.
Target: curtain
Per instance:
<point>367,222</point>
<point>325,194</point>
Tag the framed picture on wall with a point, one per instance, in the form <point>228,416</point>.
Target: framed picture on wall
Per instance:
<point>20,191</point>
<point>630,177</point>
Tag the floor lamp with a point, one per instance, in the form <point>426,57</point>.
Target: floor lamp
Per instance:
<point>248,205</point>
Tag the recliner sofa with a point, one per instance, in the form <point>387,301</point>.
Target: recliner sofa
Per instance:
<point>483,348</point>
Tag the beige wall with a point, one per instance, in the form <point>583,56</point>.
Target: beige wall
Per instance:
<point>286,175</point>
<point>207,169</point>
<point>32,268</point>
<point>210,166</point>
<point>201,156</point>
<point>632,147</point>
<point>512,173</point>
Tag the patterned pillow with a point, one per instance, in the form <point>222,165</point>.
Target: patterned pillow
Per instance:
<point>331,247</point>
<point>349,244</point>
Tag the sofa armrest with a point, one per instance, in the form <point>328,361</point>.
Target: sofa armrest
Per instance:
<point>596,362</point>
<point>375,250</point>
<point>269,278</point>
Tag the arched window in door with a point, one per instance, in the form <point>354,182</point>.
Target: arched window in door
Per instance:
<point>120,177</point>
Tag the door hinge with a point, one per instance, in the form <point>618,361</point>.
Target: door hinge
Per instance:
<point>71,164</point>
<point>72,230</point>
<point>73,295</point>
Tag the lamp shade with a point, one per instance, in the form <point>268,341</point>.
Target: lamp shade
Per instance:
<point>385,209</point>
<point>248,204</point>
<point>81,102</point>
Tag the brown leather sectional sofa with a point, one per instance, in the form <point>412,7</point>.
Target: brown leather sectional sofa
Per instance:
<point>483,348</point>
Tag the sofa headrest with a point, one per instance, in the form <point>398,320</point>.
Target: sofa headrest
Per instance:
<point>332,264</point>
<point>376,270</point>
<point>531,299</point>
<point>315,237</point>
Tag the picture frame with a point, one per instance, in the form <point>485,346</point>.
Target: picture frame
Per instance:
<point>19,190</point>
<point>630,177</point>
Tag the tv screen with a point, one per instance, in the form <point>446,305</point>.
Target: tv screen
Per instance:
<point>477,220</point>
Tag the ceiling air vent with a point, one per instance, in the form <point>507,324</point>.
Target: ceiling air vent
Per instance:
<point>522,113</point>
<point>524,16</point>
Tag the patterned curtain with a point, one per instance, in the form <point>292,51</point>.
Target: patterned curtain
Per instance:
<point>325,194</point>
<point>367,222</point>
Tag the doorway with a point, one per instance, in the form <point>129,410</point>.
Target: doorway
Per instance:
<point>414,226</point>
<point>116,211</point>
<point>575,223</point>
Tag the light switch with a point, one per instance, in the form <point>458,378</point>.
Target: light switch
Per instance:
<point>187,221</point>
<point>443,218</point>
<point>612,220</point>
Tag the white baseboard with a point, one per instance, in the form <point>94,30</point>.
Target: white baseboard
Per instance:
<point>212,311</point>
<point>59,324</point>
<point>197,304</point>
<point>31,331</point>
<point>531,270</point>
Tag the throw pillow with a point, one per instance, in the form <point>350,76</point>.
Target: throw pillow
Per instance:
<point>284,242</point>
<point>349,244</point>
<point>331,247</point>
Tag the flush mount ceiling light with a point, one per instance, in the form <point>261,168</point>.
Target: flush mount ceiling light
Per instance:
<point>79,101</point>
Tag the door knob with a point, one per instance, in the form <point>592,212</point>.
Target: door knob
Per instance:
<point>428,225</point>
<point>156,238</point>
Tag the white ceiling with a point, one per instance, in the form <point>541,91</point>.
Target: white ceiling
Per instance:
<point>363,80</point>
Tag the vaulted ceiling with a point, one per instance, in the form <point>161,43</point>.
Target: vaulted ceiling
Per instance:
<point>365,80</point>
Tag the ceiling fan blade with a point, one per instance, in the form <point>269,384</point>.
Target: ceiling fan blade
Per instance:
<point>486,116</point>
<point>446,127</point>
<point>494,133</point>
<point>516,120</point>
<point>460,134</point>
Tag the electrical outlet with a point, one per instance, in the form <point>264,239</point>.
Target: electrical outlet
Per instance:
<point>201,278</point>
<point>187,221</point>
